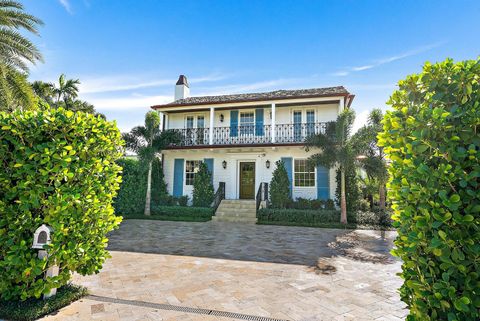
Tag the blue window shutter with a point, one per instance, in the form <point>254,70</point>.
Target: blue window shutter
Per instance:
<point>323,183</point>
<point>259,122</point>
<point>209,163</point>
<point>178,177</point>
<point>234,123</point>
<point>288,162</point>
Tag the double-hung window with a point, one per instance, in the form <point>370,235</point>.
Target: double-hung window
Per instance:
<point>247,123</point>
<point>304,173</point>
<point>191,168</point>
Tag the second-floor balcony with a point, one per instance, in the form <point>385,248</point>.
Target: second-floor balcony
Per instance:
<point>248,134</point>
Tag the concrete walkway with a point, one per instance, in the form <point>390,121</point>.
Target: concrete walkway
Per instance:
<point>227,271</point>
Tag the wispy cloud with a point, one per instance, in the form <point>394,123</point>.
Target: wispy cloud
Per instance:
<point>242,88</point>
<point>113,83</point>
<point>66,5</point>
<point>383,61</point>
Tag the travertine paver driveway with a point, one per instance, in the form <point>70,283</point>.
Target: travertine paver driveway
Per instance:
<point>227,271</point>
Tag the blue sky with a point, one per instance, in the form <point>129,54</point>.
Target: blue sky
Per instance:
<point>128,54</point>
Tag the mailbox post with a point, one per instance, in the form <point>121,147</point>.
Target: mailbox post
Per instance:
<point>41,237</point>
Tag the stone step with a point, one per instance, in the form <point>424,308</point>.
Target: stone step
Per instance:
<point>235,214</point>
<point>242,211</point>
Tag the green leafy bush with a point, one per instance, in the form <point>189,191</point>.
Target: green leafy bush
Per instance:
<point>182,200</point>
<point>299,216</point>
<point>203,192</point>
<point>159,187</point>
<point>131,196</point>
<point>58,168</point>
<point>310,204</point>
<point>432,139</point>
<point>182,211</point>
<point>352,191</point>
<point>280,187</point>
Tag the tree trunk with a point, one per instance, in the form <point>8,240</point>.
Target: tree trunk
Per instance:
<point>381,193</point>
<point>343,198</point>
<point>149,190</point>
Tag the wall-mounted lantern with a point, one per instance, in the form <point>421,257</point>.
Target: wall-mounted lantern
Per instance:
<point>221,118</point>
<point>41,237</point>
<point>224,164</point>
<point>267,163</point>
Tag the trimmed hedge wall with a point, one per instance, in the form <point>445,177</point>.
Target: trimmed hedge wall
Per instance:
<point>57,168</point>
<point>432,137</point>
<point>182,211</point>
<point>299,216</point>
<point>131,196</point>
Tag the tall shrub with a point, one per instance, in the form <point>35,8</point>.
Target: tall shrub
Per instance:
<point>202,187</point>
<point>352,190</point>
<point>159,187</point>
<point>57,168</point>
<point>432,137</point>
<point>280,187</point>
<point>131,195</point>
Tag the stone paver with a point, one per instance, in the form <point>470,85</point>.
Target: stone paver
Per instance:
<point>159,269</point>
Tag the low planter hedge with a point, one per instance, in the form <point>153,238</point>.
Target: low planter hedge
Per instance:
<point>32,309</point>
<point>301,216</point>
<point>176,213</point>
<point>323,218</point>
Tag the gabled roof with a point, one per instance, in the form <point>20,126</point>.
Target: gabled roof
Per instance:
<point>265,96</point>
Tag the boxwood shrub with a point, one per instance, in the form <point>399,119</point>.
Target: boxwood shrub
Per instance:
<point>57,168</point>
<point>432,137</point>
<point>131,196</point>
<point>298,216</point>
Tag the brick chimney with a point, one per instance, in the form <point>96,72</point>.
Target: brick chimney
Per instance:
<point>182,90</point>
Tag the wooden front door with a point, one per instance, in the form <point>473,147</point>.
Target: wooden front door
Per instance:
<point>247,180</point>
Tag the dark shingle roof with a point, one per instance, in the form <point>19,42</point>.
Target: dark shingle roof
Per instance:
<point>265,96</point>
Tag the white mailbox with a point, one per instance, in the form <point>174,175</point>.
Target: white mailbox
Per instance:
<point>41,237</point>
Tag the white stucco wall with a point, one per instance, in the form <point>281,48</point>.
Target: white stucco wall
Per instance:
<point>233,156</point>
<point>323,113</point>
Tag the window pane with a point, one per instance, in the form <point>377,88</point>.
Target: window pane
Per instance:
<point>247,123</point>
<point>191,168</point>
<point>200,122</point>
<point>304,173</point>
<point>189,121</point>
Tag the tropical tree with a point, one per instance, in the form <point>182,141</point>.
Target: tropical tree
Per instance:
<point>147,142</point>
<point>16,51</point>
<point>67,90</point>
<point>373,161</point>
<point>336,150</point>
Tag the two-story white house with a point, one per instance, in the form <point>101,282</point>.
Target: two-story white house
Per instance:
<point>241,136</point>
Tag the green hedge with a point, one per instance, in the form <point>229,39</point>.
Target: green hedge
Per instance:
<point>131,196</point>
<point>57,168</point>
<point>176,213</point>
<point>432,137</point>
<point>33,309</point>
<point>300,216</point>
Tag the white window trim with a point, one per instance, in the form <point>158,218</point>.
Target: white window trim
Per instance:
<point>195,119</point>
<point>246,111</point>
<point>185,170</point>
<point>303,112</point>
<point>293,178</point>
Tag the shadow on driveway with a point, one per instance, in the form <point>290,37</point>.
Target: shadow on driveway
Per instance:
<point>259,243</point>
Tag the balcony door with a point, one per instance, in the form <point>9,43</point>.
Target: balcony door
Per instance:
<point>195,129</point>
<point>247,180</point>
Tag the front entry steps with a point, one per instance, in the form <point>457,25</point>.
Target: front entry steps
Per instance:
<point>241,211</point>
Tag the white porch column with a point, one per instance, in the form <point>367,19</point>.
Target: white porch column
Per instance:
<point>160,114</point>
<point>341,104</point>
<point>273,123</point>
<point>212,118</point>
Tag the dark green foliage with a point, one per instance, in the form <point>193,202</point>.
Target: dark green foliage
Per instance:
<point>131,196</point>
<point>294,215</point>
<point>58,168</point>
<point>33,309</point>
<point>177,213</point>
<point>309,204</point>
<point>280,187</point>
<point>183,201</point>
<point>159,187</point>
<point>203,192</point>
<point>432,140</point>
<point>352,191</point>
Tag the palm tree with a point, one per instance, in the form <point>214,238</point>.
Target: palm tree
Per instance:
<point>67,90</point>
<point>15,49</point>
<point>43,90</point>
<point>15,91</point>
<point>336,150</point>
<point>15,52</point>
<point>366,143</point>
<point>147,141</point>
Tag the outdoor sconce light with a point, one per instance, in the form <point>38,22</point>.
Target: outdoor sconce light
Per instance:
<point>224,164</point>
<point>267,163</point>
<point>221,118</point>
